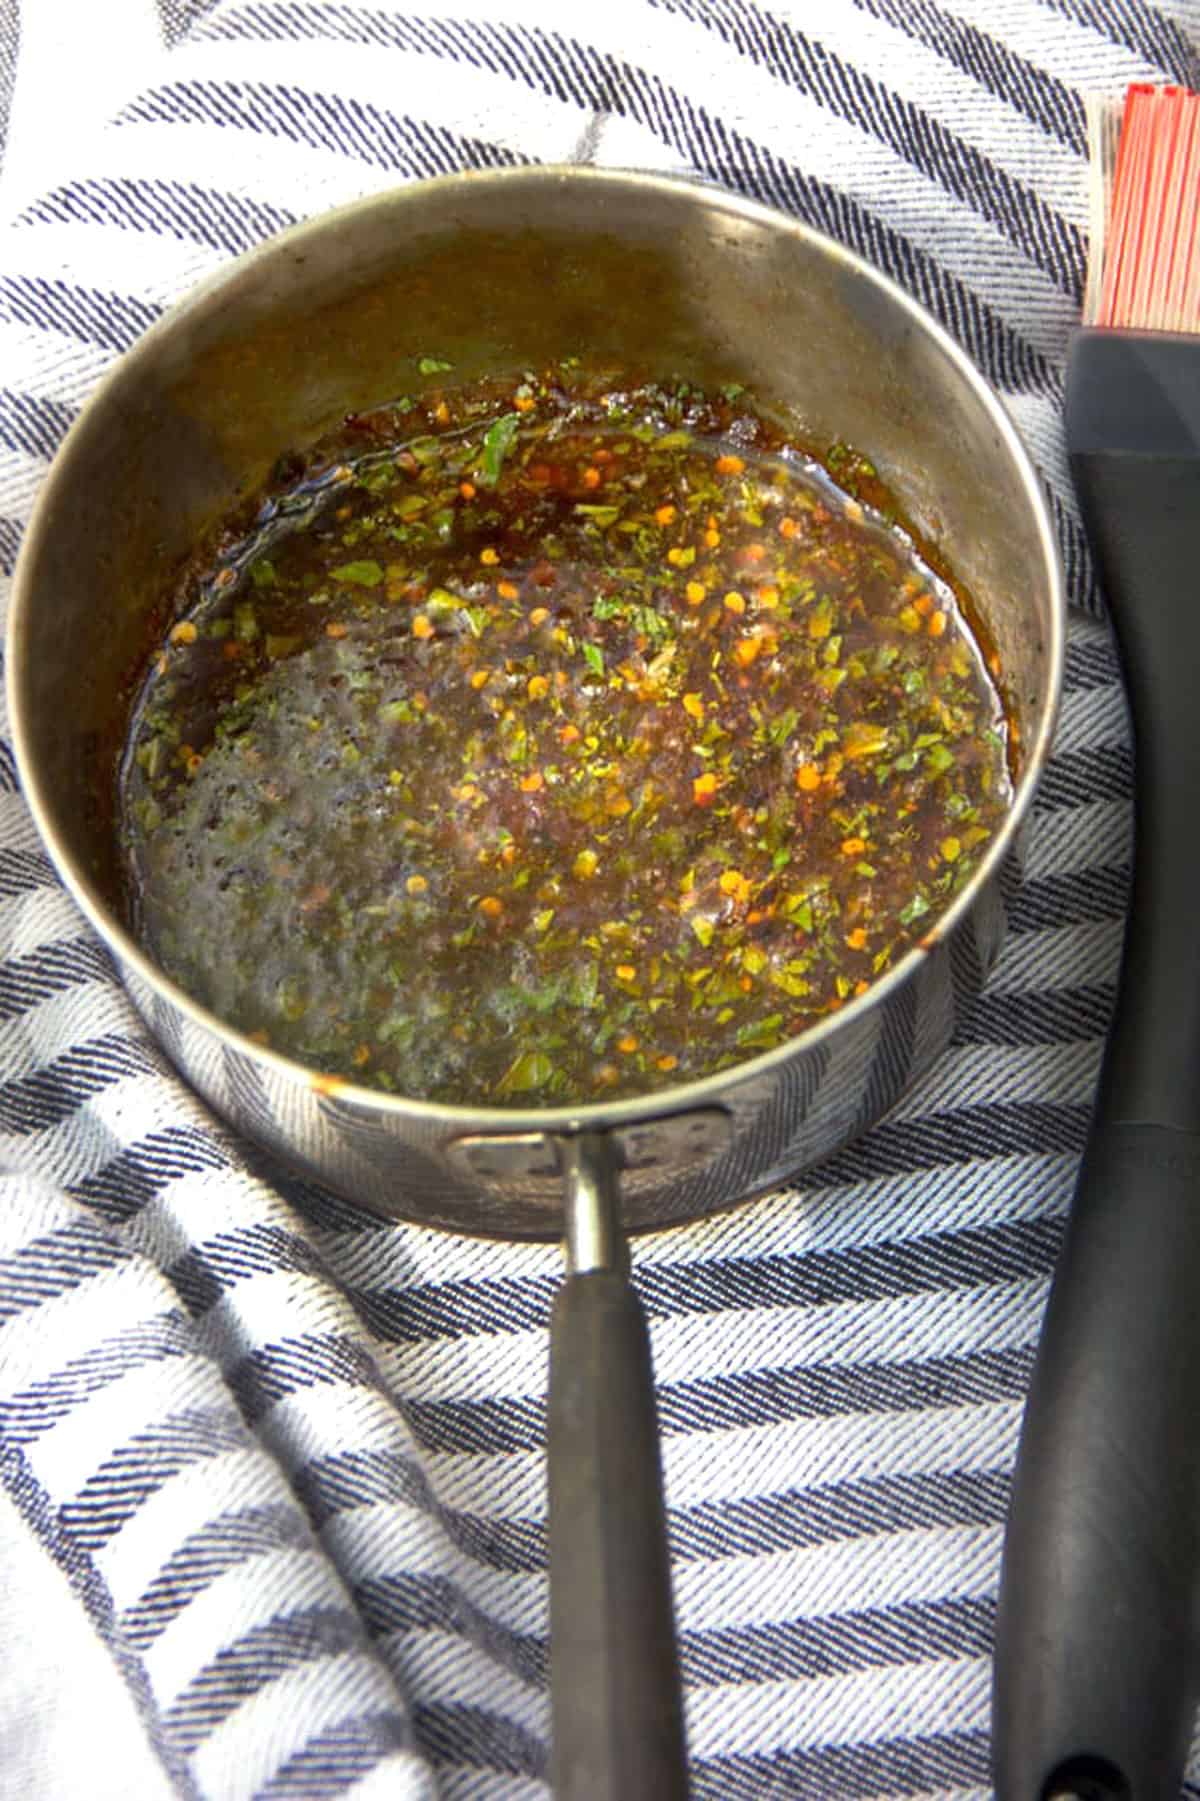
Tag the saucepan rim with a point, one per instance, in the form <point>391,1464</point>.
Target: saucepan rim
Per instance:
<point>460,1118</point>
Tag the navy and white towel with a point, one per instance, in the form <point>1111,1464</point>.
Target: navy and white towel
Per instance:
<point>285,1462</point>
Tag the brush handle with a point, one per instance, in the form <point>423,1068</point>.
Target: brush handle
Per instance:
<point>1097,1669</point>
<point>1096,1674</point>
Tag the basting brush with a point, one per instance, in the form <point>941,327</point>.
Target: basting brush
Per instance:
<point>1097,1670</point>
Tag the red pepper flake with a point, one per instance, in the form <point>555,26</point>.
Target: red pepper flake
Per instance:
<point>320,1083</point>
<point>522,660</point>
<point>734,884</point>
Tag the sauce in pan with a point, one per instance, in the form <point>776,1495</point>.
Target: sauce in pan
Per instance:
<point>549,741</point>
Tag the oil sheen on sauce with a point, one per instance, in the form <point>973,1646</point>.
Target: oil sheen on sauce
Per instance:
<point>549,741</point>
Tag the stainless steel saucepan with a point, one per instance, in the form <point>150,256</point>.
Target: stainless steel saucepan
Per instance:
<point>498,272</point>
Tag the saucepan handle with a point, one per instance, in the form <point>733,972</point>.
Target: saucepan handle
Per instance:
<point>616,1700</point>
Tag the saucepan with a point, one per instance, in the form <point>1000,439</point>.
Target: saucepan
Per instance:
<point>501,271</point>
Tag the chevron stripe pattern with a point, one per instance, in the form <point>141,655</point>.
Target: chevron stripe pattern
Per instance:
<point>291,1457</point>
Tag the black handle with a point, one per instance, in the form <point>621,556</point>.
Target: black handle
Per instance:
<point>1133,430</point>
<point>614,1668</point>
<point>1097,1671</point>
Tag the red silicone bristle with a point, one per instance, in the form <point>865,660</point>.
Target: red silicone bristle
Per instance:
<point>1151,275</point>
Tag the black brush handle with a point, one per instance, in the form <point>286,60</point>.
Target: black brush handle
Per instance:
<point>1097,1668</point>
<point>616,1698</point>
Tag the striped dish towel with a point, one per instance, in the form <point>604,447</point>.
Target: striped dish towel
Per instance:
<point>289,1458</point>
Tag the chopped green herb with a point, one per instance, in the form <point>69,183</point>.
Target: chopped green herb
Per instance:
<point>497,444</point>
<point>365,574</point>
<point>585,728</point>
<point>245,622</point>
<point>939,760</point>
<point>761,1031</point>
